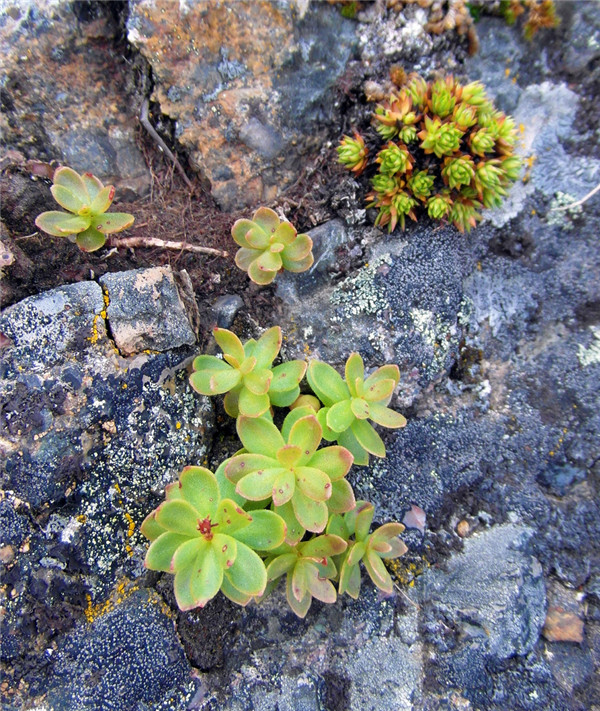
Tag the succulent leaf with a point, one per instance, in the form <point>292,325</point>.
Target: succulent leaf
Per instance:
<point>60,224</point>
<point>90,240</point>
<point>368,438</point>
<point>259,436</point>
<point>342,497</point>
<point>161,552</point>
<point>311,515</point>
<point>286,376</point>
<point>265,531</point>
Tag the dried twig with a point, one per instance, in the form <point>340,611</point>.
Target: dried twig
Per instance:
<point>163,244</point>
<point>585,198</point>
<point>145,121</point>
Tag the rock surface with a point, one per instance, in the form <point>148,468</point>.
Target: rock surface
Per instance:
<point>89,439</point>
<point>150,309</point>
<point>248,84</point>
<point>65,90</point>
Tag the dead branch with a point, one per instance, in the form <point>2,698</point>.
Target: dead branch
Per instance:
<point>128,242</point>
<point>145,121</point>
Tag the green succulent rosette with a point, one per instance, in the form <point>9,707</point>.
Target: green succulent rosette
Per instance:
<point>246,374</point>
<point>350,403</point>
<point>458,171</point>
<point>304,484</point>
<point>309,569</point>
<point>353,153</point>
<point>394,159</point>
<point>87,200</point>
<point>268,245</point>
<point>209,543</point>
<point>443,139</point>
<point>369,548</point>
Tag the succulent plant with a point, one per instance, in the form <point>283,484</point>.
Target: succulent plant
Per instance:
<point>186,542</point>
<point>308,568</point>
<point>87,200</point>
<point>268,245</point>
<point>349,403</point>
<point>246,374</point>
<point>281,505</point>
<point>446,148</point>
<point>370,548</point>
<point>304,484</point>
<point>353,153</point>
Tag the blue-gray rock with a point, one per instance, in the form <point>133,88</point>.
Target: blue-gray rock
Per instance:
<point>53,106</point>
<point>150,309</point>
<point>490,598</point>
<point>129,659</point>
<point>89,440</point>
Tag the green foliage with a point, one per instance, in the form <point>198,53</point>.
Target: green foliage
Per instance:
<point>247,375</point>
<point>268,245</point>
<point>370,548</point>
<point>350,402</point>
<point>281,506</point>
<point>447,150</point>
<point>304,485</point>
<point>352,153</point>
<point>87,200</point>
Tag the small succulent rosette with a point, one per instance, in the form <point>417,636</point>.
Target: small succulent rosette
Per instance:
<point>85,197</point>
<point>209,543</point>
<point>246,374</point>
<point>350,403</point>
<point>304,484</point>
<point>268,245</point>
<point>369,548</point>
<point>308,568</point>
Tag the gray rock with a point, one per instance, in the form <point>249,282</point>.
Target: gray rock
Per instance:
<point>249,86</point>
<point>327,239</point>
<point>150,309</point>
<point>492,595</point>
<point>129,658</point>
<point>362,656</point>
<point>89,440</point>
<point>582,45</point>
<point>53,107</point>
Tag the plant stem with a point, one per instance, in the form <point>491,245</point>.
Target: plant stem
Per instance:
<point>163,244</point>
<point>145,121</point>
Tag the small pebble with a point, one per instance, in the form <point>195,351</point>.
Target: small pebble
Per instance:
<point>463,528</point>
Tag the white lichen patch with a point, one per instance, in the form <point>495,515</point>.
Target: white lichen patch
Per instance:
<point>558,215</point>
<point>359,294</point>
<point>434,331</point>
<point>590,355</point>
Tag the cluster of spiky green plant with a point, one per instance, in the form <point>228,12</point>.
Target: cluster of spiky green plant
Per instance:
<point>281,506</point>
<point>447,150</point>
<point>85,197</point>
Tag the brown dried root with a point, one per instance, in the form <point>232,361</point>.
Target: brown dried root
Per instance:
<point>129,242</point>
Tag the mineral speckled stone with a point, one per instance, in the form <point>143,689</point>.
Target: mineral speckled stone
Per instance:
<point>129,658</point>
<point>89,440</point>
<point>150,309</point>
<point>248,83</point>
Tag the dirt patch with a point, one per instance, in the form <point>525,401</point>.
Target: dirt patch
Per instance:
<point>171,211</point>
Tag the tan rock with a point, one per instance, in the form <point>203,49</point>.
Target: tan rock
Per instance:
<point>241,79</point>
<point>562,626</point>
